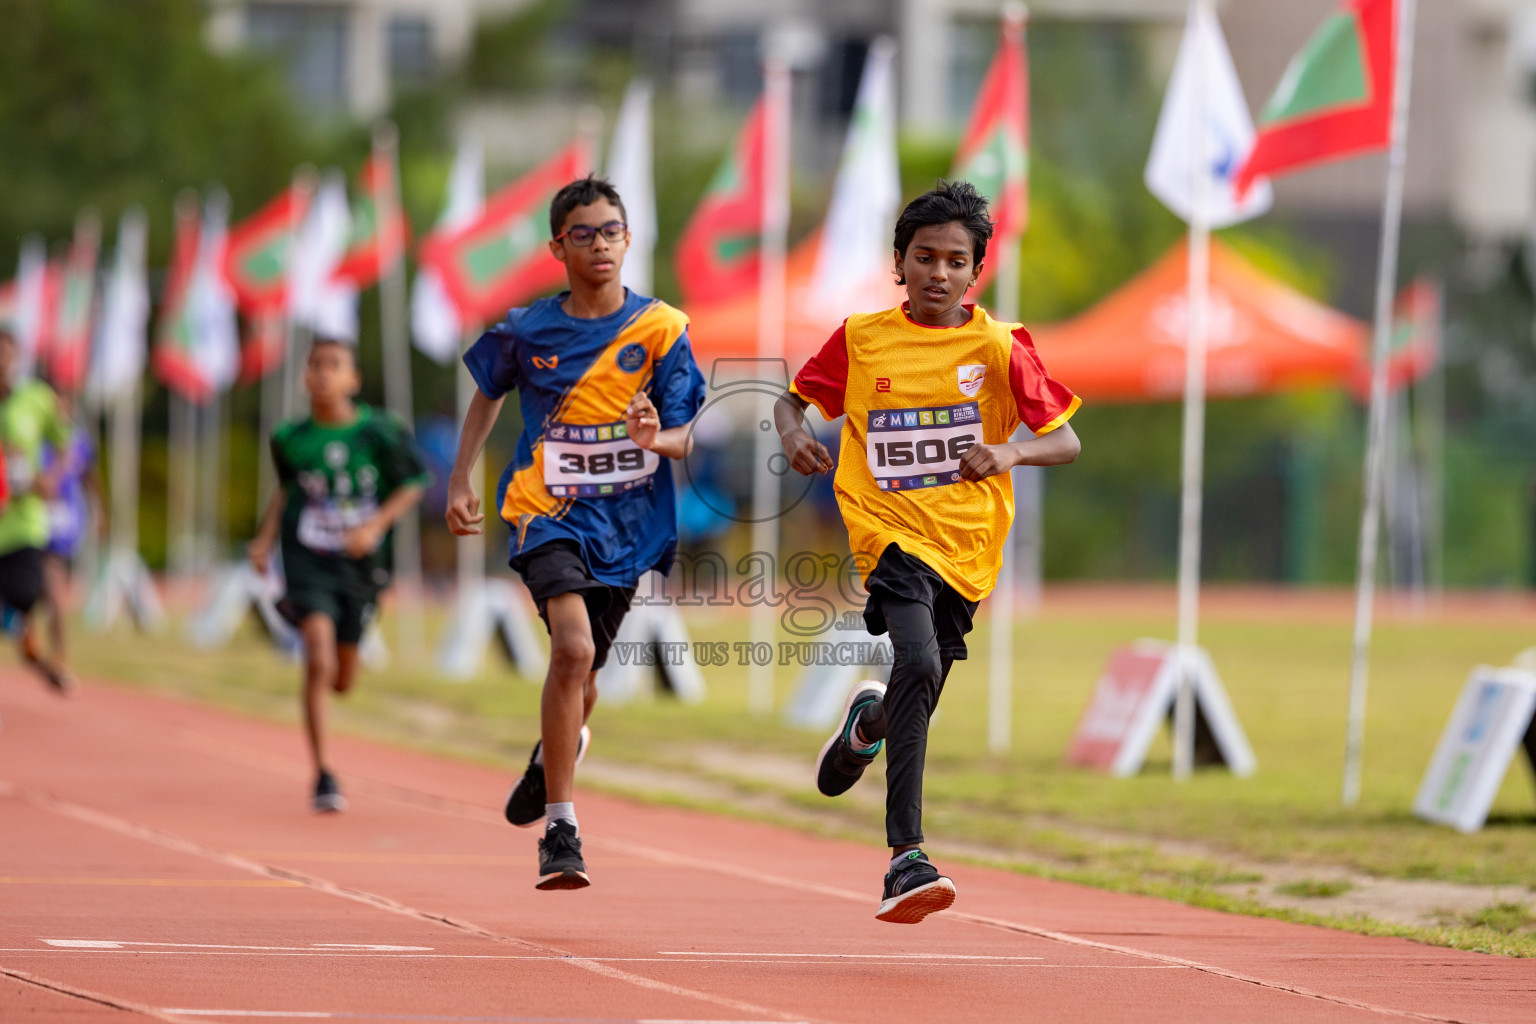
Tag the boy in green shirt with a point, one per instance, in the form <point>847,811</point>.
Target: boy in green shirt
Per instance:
<point>29,417</point>
<point>346,474</point>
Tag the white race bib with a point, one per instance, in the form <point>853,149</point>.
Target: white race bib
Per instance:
<point>594,461</point>
<point>909,449</point>
<point>323,527</point>
<point>18,472</point>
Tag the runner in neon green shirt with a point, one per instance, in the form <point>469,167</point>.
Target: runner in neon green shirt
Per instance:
<point>29,416</point>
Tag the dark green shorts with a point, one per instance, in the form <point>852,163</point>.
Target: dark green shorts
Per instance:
<point>351,612</point>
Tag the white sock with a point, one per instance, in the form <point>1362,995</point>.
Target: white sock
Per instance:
<point>565,811</point>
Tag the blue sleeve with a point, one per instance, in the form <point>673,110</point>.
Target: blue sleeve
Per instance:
<point>677,388</point>
<point>492,361</point>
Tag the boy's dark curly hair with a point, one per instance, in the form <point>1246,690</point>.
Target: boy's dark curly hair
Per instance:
<point>945,202</point>
<point>581,192</point>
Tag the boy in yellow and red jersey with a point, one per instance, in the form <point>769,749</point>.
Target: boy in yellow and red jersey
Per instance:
<point>932,392</point>
<point>607,387</point>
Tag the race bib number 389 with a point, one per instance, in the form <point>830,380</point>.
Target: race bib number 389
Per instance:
<point>909,449</point>
<point>596,461</point>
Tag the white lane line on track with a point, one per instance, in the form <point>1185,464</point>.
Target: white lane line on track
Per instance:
<point>143,833</point>
<point>820,961</point>
<point>87,996</point>
<point>452,807</point>
<point>351,1015</point>
<point>361,947</point>
<point>859,956</point>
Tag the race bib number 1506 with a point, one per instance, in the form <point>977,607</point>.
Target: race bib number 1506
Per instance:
<point>909,449</point>
<point>594,461</point>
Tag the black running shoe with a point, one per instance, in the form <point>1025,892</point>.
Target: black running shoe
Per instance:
<point>525,804</point>
<point>328,798</point>
<point>560,863</point>
<point>914,890</point>
<point>842,762</point>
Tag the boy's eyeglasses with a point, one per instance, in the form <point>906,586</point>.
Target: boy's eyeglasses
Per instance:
<point>582,235</point>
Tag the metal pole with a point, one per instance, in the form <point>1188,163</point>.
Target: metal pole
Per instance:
<point>397,389</point>
<point>471,549</point>
<point>770,349</point>
<point>1386,281</point>
<point>1001,604</point>
<point>1190,506</point>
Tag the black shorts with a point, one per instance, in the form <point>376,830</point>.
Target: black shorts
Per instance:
<point>351,612</point>
<point>558,567</point>
<point>902,576</point>
<point>21,578</point>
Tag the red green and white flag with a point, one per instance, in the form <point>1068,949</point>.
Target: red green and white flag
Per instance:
<point>257,255</point>
<point>994,152</point>
<point>175,340</point>
<point>719,253</point>
<point>379,229</point>
<point>1335,98</point>
<point>37,289</point>
<point>501,258</point>
<point>71,348</point>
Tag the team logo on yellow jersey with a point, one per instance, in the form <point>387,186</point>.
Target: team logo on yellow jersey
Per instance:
<point>970,378</point>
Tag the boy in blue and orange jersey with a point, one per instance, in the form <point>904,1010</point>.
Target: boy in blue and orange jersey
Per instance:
<point>932,391</point>
<point>608,387</point>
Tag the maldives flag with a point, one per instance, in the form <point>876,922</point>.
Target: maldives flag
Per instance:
<point>71,346</point>
<point>501,258</point>
<point>174,341</point>
<point>719,252</point>
<point>994,152</point>
<point>1335,98</point>
<point>256,255</point>
<point>379,230</point>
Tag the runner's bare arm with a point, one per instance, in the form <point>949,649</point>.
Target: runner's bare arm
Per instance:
<point>259,550</point>
<point>365,538</point>
<point>644,426</point>
<point>464,515</point>
<point>805,453</point>
<point>1056,448</point>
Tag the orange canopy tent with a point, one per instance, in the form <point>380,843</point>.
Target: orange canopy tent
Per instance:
<point>1265,335</point>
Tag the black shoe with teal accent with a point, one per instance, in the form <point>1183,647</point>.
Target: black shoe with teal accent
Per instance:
<point>560,863</point>
<point>913,890</point>
<point>525,803</point>
<point>842,760</point>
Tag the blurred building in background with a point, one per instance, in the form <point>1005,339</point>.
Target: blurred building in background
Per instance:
<point>349,57</point>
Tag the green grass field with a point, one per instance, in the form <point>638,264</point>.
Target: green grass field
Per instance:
<point>1198,841</point>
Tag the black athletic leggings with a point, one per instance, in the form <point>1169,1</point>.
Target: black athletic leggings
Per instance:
<point>917,678</point>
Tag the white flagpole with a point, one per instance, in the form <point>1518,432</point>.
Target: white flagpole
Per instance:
<point>1001,605</point>
<point>397,396</point>
<point>471,549</point>
<point>1386,280</point>
<point>770,349</point>
<point>1190,506</point>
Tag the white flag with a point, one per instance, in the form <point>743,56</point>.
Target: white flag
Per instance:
<point>31,302</point>
<point>211,303</point>
<point>855,252</point>
<point>1204,112</point>
<point>435,324</point>
<point>317,300</point>
<point>629,168</point>
<point>122,332</point>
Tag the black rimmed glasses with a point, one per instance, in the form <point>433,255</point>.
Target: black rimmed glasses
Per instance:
<point>583,235</point>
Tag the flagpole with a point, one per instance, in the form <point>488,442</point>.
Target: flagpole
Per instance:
<point>471,548</point>
<point>397,387</point>
<point>770,350</point>
<point>1197,324</point>
<point>1386,280</point>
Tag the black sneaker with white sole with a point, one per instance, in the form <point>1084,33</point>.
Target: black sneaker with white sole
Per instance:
<point>327,798</point>
<point>560,863</point>
<point>525,803</point>
<point>842,760</point>
<point>913,890</point>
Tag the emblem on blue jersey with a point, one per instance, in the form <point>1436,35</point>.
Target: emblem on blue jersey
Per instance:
<point>631,357</point>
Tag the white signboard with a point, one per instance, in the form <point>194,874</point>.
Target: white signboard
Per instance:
<point>1490,720</point>
<point>1135,696</point>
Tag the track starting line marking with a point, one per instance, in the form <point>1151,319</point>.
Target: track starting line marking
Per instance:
<point>226,883</point>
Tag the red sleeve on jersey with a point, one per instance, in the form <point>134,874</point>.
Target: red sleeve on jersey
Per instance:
<point>824,377</point>
<point>1044,403</point>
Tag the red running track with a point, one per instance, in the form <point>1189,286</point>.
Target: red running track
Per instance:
<point>158,862</point>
